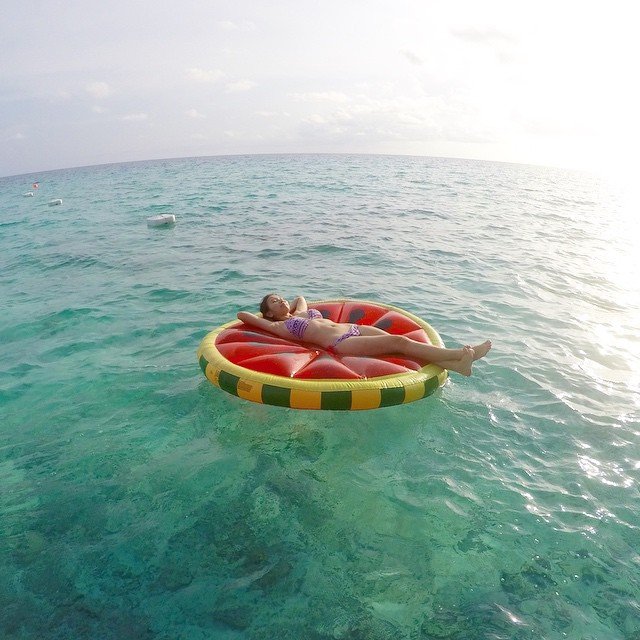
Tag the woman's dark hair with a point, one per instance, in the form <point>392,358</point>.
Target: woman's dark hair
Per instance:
<point>264,307</point>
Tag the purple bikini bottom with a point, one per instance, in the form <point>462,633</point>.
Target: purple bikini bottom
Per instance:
<point>353,330</point>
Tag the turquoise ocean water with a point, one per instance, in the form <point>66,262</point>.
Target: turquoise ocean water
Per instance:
<point>139,501</point>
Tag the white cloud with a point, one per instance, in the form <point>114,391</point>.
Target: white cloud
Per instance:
<point>204,75</point>
<point>135,117</point>
<point>60,95</point>
<point>398,118</point>
<point>315,118</point>
<point>320,96</point>
<point>227,25</point>
<point>411,57</point>
<point>240,85</point>
<point>483,36</point>
<point>98,109</point>
<point>98,90</point>
<point>194,113</point>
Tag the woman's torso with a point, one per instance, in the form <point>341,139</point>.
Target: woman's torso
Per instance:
<point>324,332</point>
<point>316,330</point>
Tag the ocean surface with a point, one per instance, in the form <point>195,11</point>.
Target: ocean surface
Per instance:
<point>139,501</point>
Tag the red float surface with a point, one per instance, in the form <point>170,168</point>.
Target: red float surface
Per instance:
<point>260,351</point>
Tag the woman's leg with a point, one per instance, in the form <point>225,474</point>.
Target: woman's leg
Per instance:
<point>479,350</point>
<point>458,360</point>
<point>375,345</point>
<point>368,330</point>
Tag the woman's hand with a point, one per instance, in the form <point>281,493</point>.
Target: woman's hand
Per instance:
<point>299,306</point>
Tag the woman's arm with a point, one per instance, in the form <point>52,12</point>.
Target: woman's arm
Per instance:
<point>276,328</point>
<point>299,306</point>
<point>254,321</point>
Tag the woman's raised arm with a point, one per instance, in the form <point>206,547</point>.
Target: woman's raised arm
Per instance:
<point>252,320</point>
<point>299,306</point>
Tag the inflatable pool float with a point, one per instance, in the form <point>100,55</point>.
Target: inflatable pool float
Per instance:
<point>261,367</point>
<point>161,220</point>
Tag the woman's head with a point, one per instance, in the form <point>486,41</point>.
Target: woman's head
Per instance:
<point>274,307</point>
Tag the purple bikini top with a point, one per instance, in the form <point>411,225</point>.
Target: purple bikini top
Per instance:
<point>298,325</point>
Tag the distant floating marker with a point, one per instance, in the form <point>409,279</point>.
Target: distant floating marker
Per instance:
<point>53,203</point>
<point>162,220</point>
<point>29,193</point>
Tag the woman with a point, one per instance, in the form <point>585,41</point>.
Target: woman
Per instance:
<point>301,323</point>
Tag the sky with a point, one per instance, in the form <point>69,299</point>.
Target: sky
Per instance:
<point>544,82</point>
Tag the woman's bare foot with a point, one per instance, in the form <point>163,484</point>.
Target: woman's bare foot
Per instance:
<point>462,365</point>
<point>466,361</point>
<point>481,350</point>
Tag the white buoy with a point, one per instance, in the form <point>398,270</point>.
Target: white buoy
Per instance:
<point>162,220</point>
<point>53,203</point>
<point>29,193</point>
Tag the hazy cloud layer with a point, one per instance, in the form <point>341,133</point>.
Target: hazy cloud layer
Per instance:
<point>498,80</point>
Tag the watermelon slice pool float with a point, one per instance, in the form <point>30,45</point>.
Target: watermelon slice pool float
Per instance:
<point>261,367</point>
